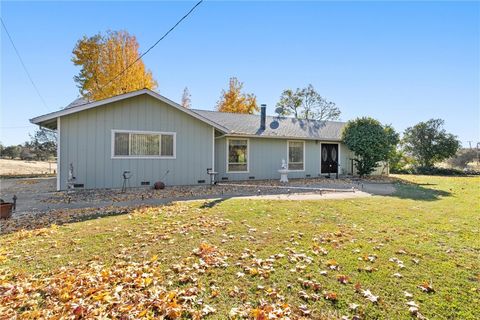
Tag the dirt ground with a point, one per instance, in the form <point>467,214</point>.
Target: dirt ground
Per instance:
<point>21,167</point>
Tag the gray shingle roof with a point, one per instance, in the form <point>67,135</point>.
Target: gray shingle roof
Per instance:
<point>248,124</point>
<point>76,103</point>
<point>277,127</point>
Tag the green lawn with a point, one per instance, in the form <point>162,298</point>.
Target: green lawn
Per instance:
<point>246,258</point>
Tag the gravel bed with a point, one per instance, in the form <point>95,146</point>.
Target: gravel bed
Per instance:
<point>233,188</point>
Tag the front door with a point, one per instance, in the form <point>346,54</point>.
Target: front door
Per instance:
<point>329,155</point>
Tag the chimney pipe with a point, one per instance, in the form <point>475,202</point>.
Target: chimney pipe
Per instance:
<point>263,116</point>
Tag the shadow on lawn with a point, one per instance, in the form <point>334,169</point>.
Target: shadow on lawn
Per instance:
<point>415,191</point>
<point>212,203</point>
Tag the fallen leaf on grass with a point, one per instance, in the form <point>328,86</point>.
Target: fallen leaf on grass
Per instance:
<point>369,296</point>
<point>332,296</point>
<point>332,264</point>
<point>208,310</point>
<point>353,306</point>
<point>398,262</point>
<point>357,287</point>
<point>412,304</point>
<point>367,269</point>
<point>343,279</point>
<point>304,310</point>
<point>426,287</point>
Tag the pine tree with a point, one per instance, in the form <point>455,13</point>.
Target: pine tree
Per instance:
<point>186,99</point>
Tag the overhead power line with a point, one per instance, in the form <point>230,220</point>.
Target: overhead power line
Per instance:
<point>23,65</point>
<point>153,46</point>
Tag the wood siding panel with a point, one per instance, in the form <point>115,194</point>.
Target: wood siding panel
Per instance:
<point>86,142</point>
<point>265,159</point>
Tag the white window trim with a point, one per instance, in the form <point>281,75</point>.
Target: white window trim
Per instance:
<point>174,134</point>
<point>248,154</point>
<point>288,155</point>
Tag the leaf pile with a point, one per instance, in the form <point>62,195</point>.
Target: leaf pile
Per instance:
<point>126,290</point>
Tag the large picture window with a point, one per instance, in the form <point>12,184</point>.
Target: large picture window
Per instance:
<point>138,144</point>
<point>296,155</point>
<point>237,155</point>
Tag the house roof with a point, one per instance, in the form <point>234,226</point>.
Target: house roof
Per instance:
<point>49,120</point>
<point>276,127</point>
<point>76,103</point>
<point>228,123</point>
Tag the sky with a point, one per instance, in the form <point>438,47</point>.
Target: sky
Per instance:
<point>398,62</point>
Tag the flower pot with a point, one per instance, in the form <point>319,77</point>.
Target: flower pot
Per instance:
<point>6,210</point>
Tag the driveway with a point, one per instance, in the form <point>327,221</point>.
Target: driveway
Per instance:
<point>30,192</point>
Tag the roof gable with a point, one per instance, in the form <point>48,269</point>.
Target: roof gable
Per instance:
<point>78,106</point>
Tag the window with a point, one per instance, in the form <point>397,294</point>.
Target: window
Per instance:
<point>144,144</point>
<point>167,145</point>
<point>296,153</point>
<point>121,144</point>
<point>237,155</point>
<point>138,144</point>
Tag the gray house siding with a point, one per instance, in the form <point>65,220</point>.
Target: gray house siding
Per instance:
<point>86,142</point>
<point>265,158</point>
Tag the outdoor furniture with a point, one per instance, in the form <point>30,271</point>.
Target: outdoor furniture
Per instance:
<point>212,174</point>
<point>126,180</point>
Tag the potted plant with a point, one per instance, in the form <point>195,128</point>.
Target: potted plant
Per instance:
<point>5,209</point>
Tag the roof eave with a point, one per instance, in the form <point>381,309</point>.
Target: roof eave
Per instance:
<point>49,124</point>
<point>236,134</point>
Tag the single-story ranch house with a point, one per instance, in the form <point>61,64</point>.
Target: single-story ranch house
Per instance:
<point>154,138</point>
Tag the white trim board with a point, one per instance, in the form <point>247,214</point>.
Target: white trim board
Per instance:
<point>58,152</point>
<point>213,149</point>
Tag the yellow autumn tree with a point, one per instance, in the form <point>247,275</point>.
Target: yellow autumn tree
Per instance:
<point>234,100</point>
<point>103,58</point>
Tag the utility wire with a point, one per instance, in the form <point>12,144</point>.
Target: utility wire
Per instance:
<point>151,47</point>
<point>23,64</point>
